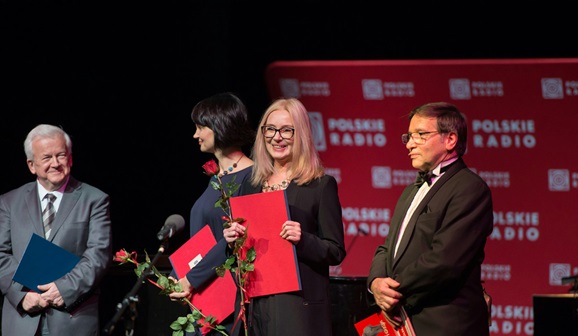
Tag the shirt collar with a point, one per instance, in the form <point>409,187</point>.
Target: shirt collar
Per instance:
<point>437,171</point>
<point>58,193</point>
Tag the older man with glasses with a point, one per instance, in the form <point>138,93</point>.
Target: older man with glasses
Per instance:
<point>429,268</point>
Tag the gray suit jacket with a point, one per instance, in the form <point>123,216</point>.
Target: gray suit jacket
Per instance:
<point>82,226</point>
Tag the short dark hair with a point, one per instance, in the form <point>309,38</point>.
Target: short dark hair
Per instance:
<point>449,119</point>
<point>227,116</point>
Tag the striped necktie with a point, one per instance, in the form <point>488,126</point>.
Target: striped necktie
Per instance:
<point>48,214</point>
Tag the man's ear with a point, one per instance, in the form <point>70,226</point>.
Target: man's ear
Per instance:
<point>451,141</point>
<point>31,167</point>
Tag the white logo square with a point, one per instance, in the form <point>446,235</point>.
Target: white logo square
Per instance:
<point>558,179</point>
<point>289,87</point>
<point>460,89</point>
<point>552,88</point>
<point>557,272</point>
<point>381,177</point>
<point>372,89</point>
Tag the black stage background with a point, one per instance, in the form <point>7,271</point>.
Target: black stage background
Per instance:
<point>121,78</point>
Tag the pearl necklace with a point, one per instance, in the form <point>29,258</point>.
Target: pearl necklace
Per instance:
<point>281,186</point>
<point>230,169</point>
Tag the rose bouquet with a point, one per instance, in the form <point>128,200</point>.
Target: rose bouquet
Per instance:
<point>183,324</point>
<point>241,261</point>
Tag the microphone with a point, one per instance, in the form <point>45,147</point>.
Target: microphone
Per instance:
<point>173,224</point>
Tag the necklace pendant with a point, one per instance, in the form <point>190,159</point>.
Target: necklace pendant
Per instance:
<point>230,169</point>
<point>280,186</point>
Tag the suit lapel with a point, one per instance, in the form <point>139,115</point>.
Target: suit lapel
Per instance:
<point>70,197</point>
<point>455,167</point>
<point>397,220</point>
<point>34,209</point>
<point>291,194</point>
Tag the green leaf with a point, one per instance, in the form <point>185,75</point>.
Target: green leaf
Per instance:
<point>147,258</point>
<point>230,261</point>
<point>182,320</point>
<point>220,328</point>
<point>163,282</point>
<point>251,254</point>
<point>232,188</point>
<point>195,315</point>
<point>215,185</point>
<point>190,328</point>
<point>210,319</point>
<point>221,204</point>
<point>141,268</point>
<point>176,325</point>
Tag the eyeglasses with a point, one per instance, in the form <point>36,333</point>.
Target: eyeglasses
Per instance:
<point>418,137</point>
<point>285,132</point>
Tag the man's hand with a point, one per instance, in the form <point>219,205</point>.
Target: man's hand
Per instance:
<point>33,302</point>
<point>51,294</point>
<point>384,292</point>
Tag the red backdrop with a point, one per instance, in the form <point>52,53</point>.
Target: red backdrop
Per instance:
<point>522,116</point>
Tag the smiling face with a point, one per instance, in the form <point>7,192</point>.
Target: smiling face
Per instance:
<point>281,150</point>
<point>51,162</point>
<point>206,138</point>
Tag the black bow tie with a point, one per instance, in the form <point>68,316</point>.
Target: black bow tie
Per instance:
<point>423,177</point>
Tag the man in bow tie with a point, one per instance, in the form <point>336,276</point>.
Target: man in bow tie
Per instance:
<point>430,263</point>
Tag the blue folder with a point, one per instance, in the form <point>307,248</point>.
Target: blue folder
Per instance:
<point>43,262</point>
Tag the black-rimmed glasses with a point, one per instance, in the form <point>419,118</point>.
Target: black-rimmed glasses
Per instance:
<point>418,137</point>
<point>285,132</point>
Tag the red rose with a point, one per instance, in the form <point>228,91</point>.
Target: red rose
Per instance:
<point>211,168</point>
<point>121,256</point>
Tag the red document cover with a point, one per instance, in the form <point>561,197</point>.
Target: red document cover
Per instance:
<point>218,298</point>
<point>276,268</point>
<point>377,325</point>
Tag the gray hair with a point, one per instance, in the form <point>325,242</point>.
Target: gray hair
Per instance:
<point>45,131</point>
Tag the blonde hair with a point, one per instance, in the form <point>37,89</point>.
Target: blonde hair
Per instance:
<point>305,163</point>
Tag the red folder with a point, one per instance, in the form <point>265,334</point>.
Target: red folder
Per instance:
<point>377,325</point>
<point>276,267</point>
<point>216,299</point>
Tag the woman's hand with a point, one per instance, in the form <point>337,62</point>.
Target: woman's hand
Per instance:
<point>291,231</point>
<point>187,290</point>
<point>234,231</point>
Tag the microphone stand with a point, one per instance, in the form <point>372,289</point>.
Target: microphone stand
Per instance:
<point>131,298</point>
<point>360,231</point>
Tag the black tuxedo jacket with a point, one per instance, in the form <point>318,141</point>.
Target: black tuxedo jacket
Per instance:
<point>439,259</point>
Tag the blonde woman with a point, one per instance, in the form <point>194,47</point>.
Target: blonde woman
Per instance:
<point>285,158</point>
